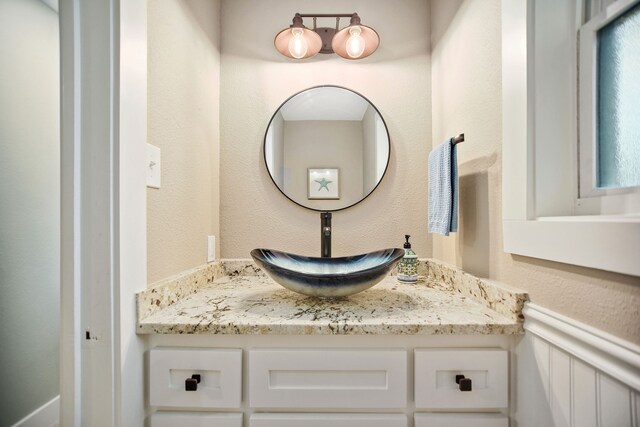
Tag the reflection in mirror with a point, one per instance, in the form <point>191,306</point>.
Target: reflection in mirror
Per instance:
<point>326,148</point>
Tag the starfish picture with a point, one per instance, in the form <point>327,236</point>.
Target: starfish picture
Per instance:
<point>318,184</point>
<point>324,183</point>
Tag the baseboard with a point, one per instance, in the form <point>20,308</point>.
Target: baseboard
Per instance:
<point>617,358</point>
<point>48,415</point>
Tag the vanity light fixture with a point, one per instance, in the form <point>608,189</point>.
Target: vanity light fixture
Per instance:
<point>355,41</point>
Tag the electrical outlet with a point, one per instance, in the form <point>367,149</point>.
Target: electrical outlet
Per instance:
<point>211,248</point>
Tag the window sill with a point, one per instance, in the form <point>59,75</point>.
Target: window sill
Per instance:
<point>609,243</point>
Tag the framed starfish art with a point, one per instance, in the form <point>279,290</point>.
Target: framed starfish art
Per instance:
<point>323,183</point>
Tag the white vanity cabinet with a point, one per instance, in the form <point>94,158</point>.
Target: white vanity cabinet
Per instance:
<point>195,419</point>
<point>461,379</point>
<point>328,379</point>
<point>328,420</point>
<point>458,379</point>
<point>195,378</point>
<point>461,420</point>
<point>331,381</point>
<point>439,352</point>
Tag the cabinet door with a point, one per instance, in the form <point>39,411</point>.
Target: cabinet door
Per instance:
<point>461,420</point>
<point>219,371</point>
<point>330,379</point>
<point>177,419</point>
<point>435,378</point>
<point>328,420</point>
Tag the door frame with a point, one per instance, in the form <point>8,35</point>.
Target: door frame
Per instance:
<point>103,210</point>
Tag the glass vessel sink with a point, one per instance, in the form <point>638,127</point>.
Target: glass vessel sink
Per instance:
<point>327,277</point>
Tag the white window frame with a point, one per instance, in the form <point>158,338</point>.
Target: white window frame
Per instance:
<point>592,198</point>
<point>607,242</point>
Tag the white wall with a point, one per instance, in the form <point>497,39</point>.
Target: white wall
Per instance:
<point>257,79</point>
<point>183,120</point>
<point>29,207</point>
<point>467,97</point>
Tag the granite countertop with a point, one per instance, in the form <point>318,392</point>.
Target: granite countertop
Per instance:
<point>236,298</point>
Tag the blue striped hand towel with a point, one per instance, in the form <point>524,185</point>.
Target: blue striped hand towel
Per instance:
<point>443,189</point>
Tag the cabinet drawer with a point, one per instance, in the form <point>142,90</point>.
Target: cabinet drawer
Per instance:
<point>461,420</point>
<point>173,419</point>
<point>435,378</point>
<point>328,420</point>
<point>328,378</point>
<point>220,373</point>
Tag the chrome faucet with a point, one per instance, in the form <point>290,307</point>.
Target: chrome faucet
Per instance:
<point>325,234</point>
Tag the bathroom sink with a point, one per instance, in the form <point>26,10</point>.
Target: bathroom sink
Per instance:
<point>327,277</point>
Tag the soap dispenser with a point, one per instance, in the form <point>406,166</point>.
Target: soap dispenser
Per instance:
<point>408,267</point>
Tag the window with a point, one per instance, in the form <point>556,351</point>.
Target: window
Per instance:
<point>618,105</point>
<point>560,124</point>
<point>609,96</point>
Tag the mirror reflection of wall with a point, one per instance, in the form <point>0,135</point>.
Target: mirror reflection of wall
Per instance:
<point>315,144</point>
<point>376,149</point>
<point>327,127</point>
<point>274,149</point>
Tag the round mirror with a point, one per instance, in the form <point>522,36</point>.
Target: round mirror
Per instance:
<point>327,148</point>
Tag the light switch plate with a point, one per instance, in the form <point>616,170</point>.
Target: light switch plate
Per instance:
<point>211,248</point>
<point>153,166</point>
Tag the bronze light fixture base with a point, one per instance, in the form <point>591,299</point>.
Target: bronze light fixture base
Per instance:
<point>327,40</point>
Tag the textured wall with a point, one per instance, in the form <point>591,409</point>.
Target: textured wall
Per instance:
<point>256,80</point>
<point>466,81</point>
<point>183,120</point>
<point>29,207</point>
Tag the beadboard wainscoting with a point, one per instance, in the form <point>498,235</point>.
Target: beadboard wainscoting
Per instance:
<point>570,374</point>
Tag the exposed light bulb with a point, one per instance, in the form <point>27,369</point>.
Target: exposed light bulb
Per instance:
<point>298,46</point>
<point>355,42</point>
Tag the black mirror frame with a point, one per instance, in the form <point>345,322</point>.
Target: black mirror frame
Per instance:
<point>264,145</point>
